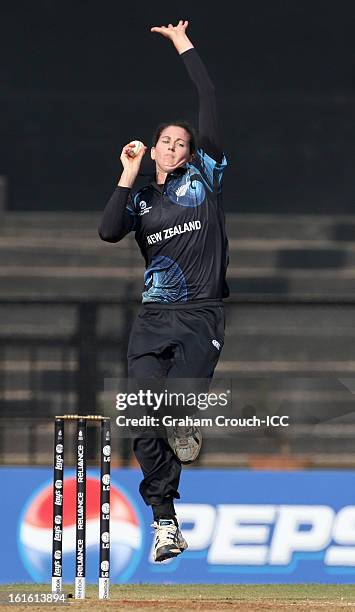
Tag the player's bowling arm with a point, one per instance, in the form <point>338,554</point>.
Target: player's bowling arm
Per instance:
<point>127,178</point>
<point>116,220</point>
<point>118,217</point>
<point>131,165</point>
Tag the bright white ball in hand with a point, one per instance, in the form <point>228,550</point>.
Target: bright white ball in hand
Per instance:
<point>138,145</point>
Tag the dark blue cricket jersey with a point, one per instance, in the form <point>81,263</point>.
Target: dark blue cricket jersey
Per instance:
<point>180,226</point>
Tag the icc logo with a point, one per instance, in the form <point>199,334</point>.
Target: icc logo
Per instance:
<point>143,208</point>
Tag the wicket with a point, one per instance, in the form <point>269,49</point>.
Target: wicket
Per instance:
<point>58,498</point>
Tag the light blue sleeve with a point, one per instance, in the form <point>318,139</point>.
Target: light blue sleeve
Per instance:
<point>211,171</point>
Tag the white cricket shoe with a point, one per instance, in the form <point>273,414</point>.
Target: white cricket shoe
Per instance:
<point>186,442</point>
<point>169,541</point>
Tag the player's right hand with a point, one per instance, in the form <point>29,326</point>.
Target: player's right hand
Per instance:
<point>131,163</point>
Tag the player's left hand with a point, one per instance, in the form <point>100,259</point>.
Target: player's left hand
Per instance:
<point>171,31</point>
<point>177,35</point>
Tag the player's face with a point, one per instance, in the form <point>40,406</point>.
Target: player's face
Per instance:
<point>172,149</point>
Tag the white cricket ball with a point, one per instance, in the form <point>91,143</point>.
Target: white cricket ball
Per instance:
<point>138,145</point>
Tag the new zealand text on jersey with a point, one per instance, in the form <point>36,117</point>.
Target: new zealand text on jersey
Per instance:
<point>169,232</point>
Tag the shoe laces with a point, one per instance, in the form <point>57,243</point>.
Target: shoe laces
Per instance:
<point>168,531</point>
<point>183,440</point>
<point>188,430</point>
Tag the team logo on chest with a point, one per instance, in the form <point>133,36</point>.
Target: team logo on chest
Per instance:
<point>182,190</point>
<point>187,191</point>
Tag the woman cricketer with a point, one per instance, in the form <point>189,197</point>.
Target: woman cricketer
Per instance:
<point>179,226</point>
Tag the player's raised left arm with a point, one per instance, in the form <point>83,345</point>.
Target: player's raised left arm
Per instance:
<point>210,139</point>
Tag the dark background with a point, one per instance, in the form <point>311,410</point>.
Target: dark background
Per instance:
<point>79,79</point>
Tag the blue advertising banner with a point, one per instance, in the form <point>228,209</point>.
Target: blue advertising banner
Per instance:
<point>241,526</point>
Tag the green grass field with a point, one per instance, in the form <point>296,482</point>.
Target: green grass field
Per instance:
<point>246,598</point>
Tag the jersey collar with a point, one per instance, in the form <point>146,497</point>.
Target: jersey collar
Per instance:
<point>175,174</point>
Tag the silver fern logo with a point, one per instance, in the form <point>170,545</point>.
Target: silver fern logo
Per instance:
<point>181,191</point>
<point>216,344</point>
